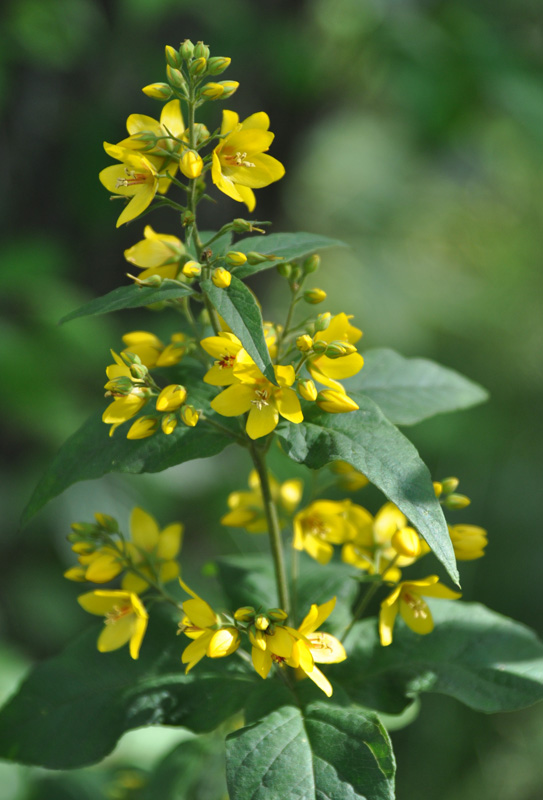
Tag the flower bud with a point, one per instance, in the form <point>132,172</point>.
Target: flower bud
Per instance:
<point>314,296</point>
<point>307,390</point>
<point>168,423</point>
<point>469,541</point>
<point>201,50</point>
<point>438,488</point>
<point>456,501</point>
<point>223,642</point>
<point>304,343</point>
<point>186,50</point>
<point>322,321</point>
<point>406,542</point>
<point>143,427</point>
<point>191,164</point>
<point>198,66</point>
<point>262,623</point>
<point>106,522</point>
<point>319,347</point>
<point>139,371</point>
<point>221,278</point>
<point>160,91</point>
<point>449,485</point>
<point>176,78</point>
<point>284,269</point>
<point>173,58</point>
<point>187,218</point>
<point>228,88</point>
<point>153,280</point>
<point>121,385</point>
<point>171,397</point>
<point>276,614</point>
<point>189,416</point>
<point>258,258</point>
<point>218,64</point>
<point>234,258</point>
<point>312,264</point>
<point>212,91</point>
<point>335,402</point>
<point>244,614</point>
<point>192,269</point>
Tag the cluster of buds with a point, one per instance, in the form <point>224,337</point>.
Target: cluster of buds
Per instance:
<point>172,408</point>
<point>469,541</point>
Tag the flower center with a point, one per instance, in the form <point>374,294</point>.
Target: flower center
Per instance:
<point>225,361</point>
<point>239,160</point>
<point>117,613</point>
<point>318,642</point>
<point>133,178</point>
<point>261,398</point>
<point>315,526</point>
<point>420,609</point>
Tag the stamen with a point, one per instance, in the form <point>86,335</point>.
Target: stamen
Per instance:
<point>261,399</point>
<point>132,179</point>
<point>318,642</point>
<point>315,526</point>
<point>420,609</point>
<point>225,361</point>
<point>116,613</point>
<point>239,159</point>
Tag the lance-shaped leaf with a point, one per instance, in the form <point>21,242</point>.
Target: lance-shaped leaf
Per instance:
<point>72,709</point>
<point>374,446</point>
<point>320,751</point>
<point>239,309</point>
<point>408,390</point>
<point>90,452</point>
<point>130,297</point>
<point>285,245</point>
<point>485,660</point>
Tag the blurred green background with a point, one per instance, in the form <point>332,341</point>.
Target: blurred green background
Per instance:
<point>413,131</point>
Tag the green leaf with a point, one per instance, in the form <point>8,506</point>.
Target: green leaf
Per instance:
<point>487,661</point>
<point>72,709</point>
<point>408,390</point>
<point>130,297</point>
<point>193,769</point>
<point>322,751</point>
<point>239,309</point>
<point>249,579</point>
<point>91,452</point>
<point>286,245</point>
<point>373,445</point>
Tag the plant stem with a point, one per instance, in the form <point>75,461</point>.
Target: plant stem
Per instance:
<point>361,607</point>
<point>274,530</point>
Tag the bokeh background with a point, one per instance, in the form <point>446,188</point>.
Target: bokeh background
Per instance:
<point>413,130</point>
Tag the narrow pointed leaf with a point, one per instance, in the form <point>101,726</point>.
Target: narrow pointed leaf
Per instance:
<point>130,297</point>
<point>375,447</point>
<point>72,709</point>
<point>409,390</point>
<point>285,245</point>
<point>239,309</point>
<point>322,751</point>
<point>485,660</point>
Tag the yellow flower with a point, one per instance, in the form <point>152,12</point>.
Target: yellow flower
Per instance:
<point>323,524</point>
<point>327,370</point>
<point>240,163</point>
<point>349,477</point>
<point>336,402</point>
<point>122,409</point>
<point>225,347</point>
<point>312,646</point>
<point>151,550</point>
<point>152,351</point>
<point>257,395</point>
<point>126,618</point>
<point>406,598</point>
<point>247,508</point>
<point>134,177</point>
<point>143,427</point>
<point>156,254</point>
<point>203,625</point>
<point>469,541</point>
<point>274,644</point>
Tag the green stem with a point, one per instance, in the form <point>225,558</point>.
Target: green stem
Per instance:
<point>361,607</point>
<point>274,529</point>
<point>293,301</point>
<point>191,102</point>
<point>224,429</point>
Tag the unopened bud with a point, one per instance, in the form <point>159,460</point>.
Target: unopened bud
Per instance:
<point>244,226</point>
<point>192,269</point>
<point>284,269</point>
<point>218,64</point>
<point>160,91</point>
<point>262,623</point>
<point>406,542</point>
<point>139,371</point>
<point>276,614</point>
<point>198,66</point>
<point>228,88</point>
<point>339,349</point>
<point>323,321</point>
<point>335,402</point>
<point>304,343</point>
<point>189,416</point>
<point>456,501</point>
<point>171,397</point>
<point>173,59</point>
<point>319,347</point>
<point>312,263</point>
<point>186,50</point>
<point>143,427</point>
<point>106,522</point>
<point>120,385</point>
<point>449,485</point>
<point>201,50</point>
<point>438,488</point>
<point>234,258</point>
<point>307,390</point>
<point>187,218</point>
<point>153,280</point>
<point>191,164</point>
<point>257,258</point>
<point>314,296</point>
<point>212,91</point>
<point>168,423</point>
<point>244,614</point>
<point>221,278</point>
<point>176,78</point>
